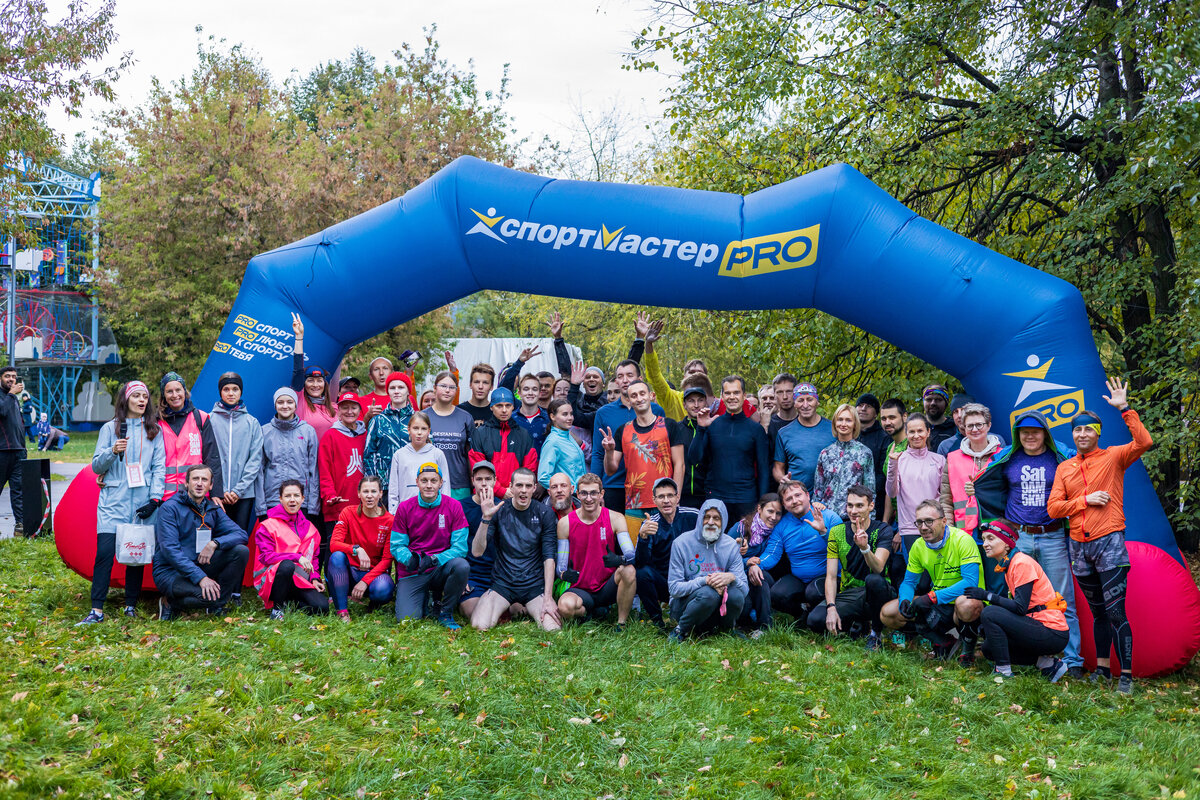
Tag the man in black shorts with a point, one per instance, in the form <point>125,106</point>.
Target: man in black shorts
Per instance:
<point>521,533</point>
<point>595,554</point>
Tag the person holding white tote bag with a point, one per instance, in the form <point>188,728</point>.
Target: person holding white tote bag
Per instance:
<point>130,462</point>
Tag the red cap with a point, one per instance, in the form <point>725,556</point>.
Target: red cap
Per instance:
<point>349,397</point>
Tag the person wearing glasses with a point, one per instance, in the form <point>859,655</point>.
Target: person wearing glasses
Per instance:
<point>941,565</point>
<point>963,466</point>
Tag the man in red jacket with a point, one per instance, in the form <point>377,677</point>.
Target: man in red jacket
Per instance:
<point>507,445</point>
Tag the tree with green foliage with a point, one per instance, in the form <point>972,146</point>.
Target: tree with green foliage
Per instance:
<point>1066,136</point>
<point>43,63</point>
<point>225,164</point>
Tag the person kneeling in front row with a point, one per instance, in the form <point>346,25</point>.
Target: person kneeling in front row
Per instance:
<point>429,542</point>
<point>200,553</point>
<point>952,562</point>
<point>288,548</point>
<point>707,579</point>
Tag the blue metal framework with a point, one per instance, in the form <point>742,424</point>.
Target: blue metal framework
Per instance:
<point>53,328</point>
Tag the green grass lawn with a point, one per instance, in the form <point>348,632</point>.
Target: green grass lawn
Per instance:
<point>78,451</point>
<point>243,707</point>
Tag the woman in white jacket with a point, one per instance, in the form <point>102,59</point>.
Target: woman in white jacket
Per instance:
<point>402,478</point>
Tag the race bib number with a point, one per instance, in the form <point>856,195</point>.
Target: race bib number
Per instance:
<point>194,444</point>
<point>203,537</point>
<point>134,475</point>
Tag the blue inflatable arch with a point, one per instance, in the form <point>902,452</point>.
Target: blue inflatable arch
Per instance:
<point>1016,337</point>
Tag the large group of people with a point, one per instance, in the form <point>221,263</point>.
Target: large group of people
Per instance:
<point>571,497</point>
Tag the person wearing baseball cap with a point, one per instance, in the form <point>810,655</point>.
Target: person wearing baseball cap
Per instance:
<point>693,491</point>
<point>1015,486</point>
<point>1088,490</point>
<point>349,383</point>
<point>340,459</point>
<point>1028,626</point>
<point>507,445</point>
<point>429,546</point>
<point>874,437</point>
<point>483,478</point>
<point>798,445</point>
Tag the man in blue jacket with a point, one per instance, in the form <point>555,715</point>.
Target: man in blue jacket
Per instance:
<point>1015,486</point>
<point>802,535</point>
<point>653,558</point>
<point>200,553</point>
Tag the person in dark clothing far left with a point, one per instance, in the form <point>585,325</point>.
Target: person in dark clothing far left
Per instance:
<point>12,443</point>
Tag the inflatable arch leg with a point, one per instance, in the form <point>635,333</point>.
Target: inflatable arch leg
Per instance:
<point>804,243</point>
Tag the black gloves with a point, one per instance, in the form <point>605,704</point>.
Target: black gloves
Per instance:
<point>421,562</point>
<point>976,593</point>
<point>906,609</point>
<point>612,560</point>
<point>570,575</point>
<point>145,511</point>
<point>922,605</point>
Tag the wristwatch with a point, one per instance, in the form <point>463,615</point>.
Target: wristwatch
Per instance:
<point>354,551</point>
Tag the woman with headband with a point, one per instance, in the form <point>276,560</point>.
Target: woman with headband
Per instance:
<point>1028,626</point>
<point>315,394</point>
<point>187,435</point>
<point>130,462</point>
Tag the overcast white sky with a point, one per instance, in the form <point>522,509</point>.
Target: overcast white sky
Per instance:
<point>562,53</point>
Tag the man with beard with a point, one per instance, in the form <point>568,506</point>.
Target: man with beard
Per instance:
<point>936,400</point>
<point>558,494</point>
<point>707,579</point>
<point>655,539</point>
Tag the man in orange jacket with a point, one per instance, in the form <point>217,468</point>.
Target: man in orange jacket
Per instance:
<point>1088,490</point>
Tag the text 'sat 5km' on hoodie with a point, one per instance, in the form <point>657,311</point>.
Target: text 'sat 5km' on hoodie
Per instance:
<point>508,446</point>
<point>693,559</point>
<point>240,441</point>
<point>340,466</point>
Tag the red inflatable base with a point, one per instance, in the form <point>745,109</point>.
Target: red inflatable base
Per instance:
<point>75,532</point>
<point>1163,603</point>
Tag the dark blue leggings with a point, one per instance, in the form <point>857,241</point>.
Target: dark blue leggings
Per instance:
<point>342,576</point>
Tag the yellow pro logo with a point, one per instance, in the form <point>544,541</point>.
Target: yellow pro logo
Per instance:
<point>242,333</point>
<point>221,347</point>
<point>774,253</point>
<point>1057,410</point>
<point>243,320</point>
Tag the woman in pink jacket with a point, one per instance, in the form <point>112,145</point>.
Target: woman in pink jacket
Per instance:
<point>915,475</point>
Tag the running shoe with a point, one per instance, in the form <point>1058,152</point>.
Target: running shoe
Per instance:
<point>1125,684</point>
<point>1055,672</point>
<point>277,614</point>
<point>446,620</point>
<point>91,619</point>
<point>131,612</point>
<point>676,635</point>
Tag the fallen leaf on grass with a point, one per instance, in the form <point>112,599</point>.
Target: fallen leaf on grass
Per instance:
<point>705,768</point>
<point>19,696</point>
<point>622,761</point>
<point>503,657</point>
<point>508,642</point>
<point>481,717</point>
<point>725,663</point>
<point>580,720</point>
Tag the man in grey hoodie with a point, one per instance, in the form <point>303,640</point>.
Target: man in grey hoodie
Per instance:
<point>706,579</point>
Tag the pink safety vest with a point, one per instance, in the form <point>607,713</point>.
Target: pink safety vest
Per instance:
<point>184,450</point>
<point>962,469</point>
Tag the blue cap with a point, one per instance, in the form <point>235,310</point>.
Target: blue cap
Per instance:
<point>501,396</point>
<point>1033,422</point>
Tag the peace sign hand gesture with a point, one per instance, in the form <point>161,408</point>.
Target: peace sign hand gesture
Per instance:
<point>297,326</point>
<point>608,442</point>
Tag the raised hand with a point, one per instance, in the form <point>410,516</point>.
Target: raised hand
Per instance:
<point>1118,393</point>
<point>860,537</point>
<point>704,418</point>
<point>817,523</point>
<point>450,361</point>
<point>654,333</point>
<point>487,503</point>
<point>528,353</point>
<point>578,370</point>
<point>297,326</point>
<point>608,442</point>
<point>641,325</point>
<point>556,325</point>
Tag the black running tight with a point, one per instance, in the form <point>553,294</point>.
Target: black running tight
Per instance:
<point>1105,595</point>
